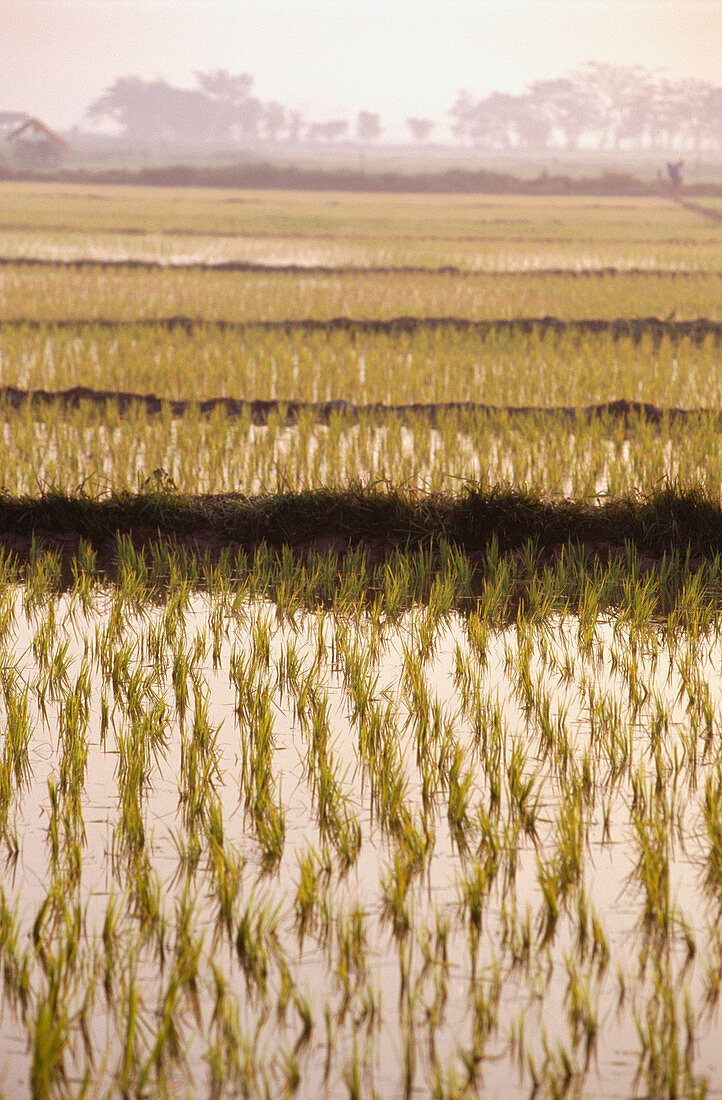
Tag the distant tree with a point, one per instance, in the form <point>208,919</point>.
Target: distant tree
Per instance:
<point>420,128</point>
<point>247,118</point>
<point>328,131</point>
<point>661,120</point>
<point>568,106</point>
<point>496,120</point>
<point>625,95</point>
<point>274,119</point>
<point>219,110</point>
<point>368,126</point>
<point>335,129</point>
<point>529,126</point>
<point>712,127</point>
<point>242,112</point>
<point>490,120</point>
<point>153,110</point>
<point>225,86</point>
<point>295,122</point>
<point>608,106</point>
<point>499,121</point>
<point>693,97</point>
<point>461,112</point>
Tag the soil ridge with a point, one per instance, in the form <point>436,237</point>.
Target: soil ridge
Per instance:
<point>250,267</point>
<point>260,411</point>
<point>618,328</point>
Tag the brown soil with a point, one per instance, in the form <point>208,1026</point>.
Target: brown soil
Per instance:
<point>259,412</point>
<point>207,545</point>
<point>352,269</point>
<point>697,208</point>
<point>619,328</point>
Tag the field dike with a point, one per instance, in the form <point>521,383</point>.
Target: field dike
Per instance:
<point>374,521</point>
<point>247,267</point>
<point>13,398</point>
<point>697,208</point>
<point>618,328</point>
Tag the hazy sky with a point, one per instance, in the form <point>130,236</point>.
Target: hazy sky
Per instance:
<point>335,57</point>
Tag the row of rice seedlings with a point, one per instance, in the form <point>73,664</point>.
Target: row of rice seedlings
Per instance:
<point>604,458</point>
<point>680,590</point>
<point>519,803</point>
<point>427,364</point>
<point>254,696</point>
<point>129,294</point>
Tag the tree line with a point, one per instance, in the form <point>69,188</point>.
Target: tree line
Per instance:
<point>597,106</point>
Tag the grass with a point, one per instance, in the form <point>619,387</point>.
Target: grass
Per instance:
<point>336,215</point>
<point>670,520</point>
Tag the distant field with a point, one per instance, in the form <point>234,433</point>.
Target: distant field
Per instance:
<point>667,262</point>
<point>429,363</point>
<point>303,214</point>
<point>47,293</point>
<point>58,221</point>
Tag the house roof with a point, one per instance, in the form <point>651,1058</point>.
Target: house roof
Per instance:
<point>33,127</point>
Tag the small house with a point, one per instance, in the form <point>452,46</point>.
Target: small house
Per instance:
<point>32,144</point>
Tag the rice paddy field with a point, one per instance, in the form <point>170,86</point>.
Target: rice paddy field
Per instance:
<point>361,734</point>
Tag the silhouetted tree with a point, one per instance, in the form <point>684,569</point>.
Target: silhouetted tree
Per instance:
<point>274,119</point>
<point>328,131</point>
<point>224,86</point>
<point>220,109</point>
<point>608,106</point>
<point>156,111</point>
<point>630,93</point>
<point>605,105</point>
<point>568,105</point>
<point>420,128</point>
<point>461,112</point>
<point>368,126</point>
<point>713,118</point>
<point>295,122</point>
<point>492,120</point>
<point>242,111</point>
<point>500,121</point>
<point>691,102</point>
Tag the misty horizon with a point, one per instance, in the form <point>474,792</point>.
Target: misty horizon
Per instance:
<point>596,106</point>
<point>396,60</point>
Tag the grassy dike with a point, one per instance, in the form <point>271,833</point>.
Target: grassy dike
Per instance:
<point>365,530</point>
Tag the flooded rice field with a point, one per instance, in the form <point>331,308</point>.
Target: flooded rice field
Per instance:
<point>260,852</point>
<point>356,812</point>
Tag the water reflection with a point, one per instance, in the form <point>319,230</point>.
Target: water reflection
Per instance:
<point>400,854</point>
